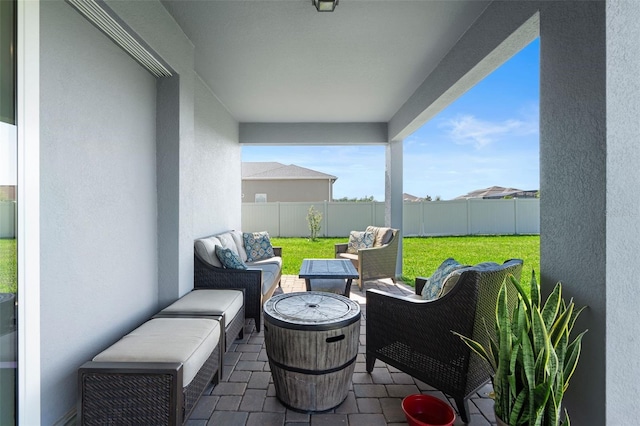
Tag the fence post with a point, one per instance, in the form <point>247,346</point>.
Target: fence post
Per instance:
<point>468,216</point>
<point>279,220</point>
<point>325,217</point>
<point>515,216</point>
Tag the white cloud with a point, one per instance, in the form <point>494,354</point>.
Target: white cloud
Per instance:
<point>469,130</point>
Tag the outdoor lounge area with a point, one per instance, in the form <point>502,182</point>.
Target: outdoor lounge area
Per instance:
<point>126,121</point>
<point>246,395</point>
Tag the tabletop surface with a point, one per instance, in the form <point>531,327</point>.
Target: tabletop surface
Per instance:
<point>312,308</point>
<point>327,268</point>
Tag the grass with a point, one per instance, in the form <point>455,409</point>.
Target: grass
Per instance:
<point>8,266</point>
<point>423,255</point>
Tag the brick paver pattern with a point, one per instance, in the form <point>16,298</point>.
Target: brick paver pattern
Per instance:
<point>246,395</point>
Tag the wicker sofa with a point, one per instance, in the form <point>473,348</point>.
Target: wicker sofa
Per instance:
<point>415,335</point>
<point>378,261</point>
<point>259,280</point>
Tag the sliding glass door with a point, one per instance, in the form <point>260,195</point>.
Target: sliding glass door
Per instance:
<point>8,214</point>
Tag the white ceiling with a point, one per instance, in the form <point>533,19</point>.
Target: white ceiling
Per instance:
<point>282,61</point>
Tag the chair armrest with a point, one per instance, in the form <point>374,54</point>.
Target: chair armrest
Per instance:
<point>417,323</point>
<point>420,283</point>
<point>277,251</point>
<point>340,248</point>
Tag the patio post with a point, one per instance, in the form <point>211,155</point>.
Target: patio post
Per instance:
<point>393,193</point>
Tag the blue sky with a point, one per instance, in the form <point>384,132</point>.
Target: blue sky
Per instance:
<point>489,136</point>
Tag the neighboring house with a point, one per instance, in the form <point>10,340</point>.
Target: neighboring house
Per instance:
<point>409,197</point>
<point>271,181</point>
<point>497,192</point>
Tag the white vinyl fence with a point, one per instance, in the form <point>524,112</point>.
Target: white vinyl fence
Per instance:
<point>8,218</point>
<point>428,218</point>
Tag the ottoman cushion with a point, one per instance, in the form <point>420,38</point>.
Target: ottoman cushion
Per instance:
<point>187,340</point>
<point>208,302</point>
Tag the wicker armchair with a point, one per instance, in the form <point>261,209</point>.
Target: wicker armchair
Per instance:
<point>375,262</point>
<point>415,335</point>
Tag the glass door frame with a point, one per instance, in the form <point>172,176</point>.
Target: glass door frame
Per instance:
<point>28,198</point>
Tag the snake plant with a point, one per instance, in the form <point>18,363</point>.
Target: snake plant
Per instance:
<point>531,356</point>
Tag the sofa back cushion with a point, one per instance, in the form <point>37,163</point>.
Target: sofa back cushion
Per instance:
<point>237,238</point>
<point>206,249</point>
<point>381,235</point>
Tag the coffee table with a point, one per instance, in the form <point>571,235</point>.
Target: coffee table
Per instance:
<point>332,275</point>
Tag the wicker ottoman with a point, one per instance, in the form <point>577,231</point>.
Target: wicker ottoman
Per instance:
<point>153,375</point>
<point>229,304</point>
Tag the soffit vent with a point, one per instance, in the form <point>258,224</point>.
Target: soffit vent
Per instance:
<point>99,17</point>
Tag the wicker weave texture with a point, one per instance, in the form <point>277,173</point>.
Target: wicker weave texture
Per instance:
<point>205,375</point>
<point>141,393</point>
<point>116,398</point>
<point>208,276</point>
<point>416,336</point>
<point>375,262</point>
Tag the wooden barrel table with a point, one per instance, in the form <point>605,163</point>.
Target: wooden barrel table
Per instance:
<point>312,343</point>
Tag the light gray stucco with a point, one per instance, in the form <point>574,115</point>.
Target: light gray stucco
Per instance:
<point>573,153</point>
<point>313,133</point>
<point>623,212</point>
<point>127,184</point>
<point>98,199</point>
<point>216,178</point>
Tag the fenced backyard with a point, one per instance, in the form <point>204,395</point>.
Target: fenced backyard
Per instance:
<point>429,218</point>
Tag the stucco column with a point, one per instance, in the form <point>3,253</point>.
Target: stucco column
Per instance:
<point>573,183</point>
<point>622,323</point>
<point>393,193</point>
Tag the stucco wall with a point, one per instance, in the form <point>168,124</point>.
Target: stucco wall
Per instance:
<point>573,176</point>
<point>216,171</point>
<point>623,210</point>
<point>98,199</point>
<point>287,190</point>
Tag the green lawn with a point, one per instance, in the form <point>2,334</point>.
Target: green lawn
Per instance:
<point>422,255</point>
<point>8,267</point>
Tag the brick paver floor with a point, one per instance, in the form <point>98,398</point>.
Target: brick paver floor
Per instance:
<point>246,394</point>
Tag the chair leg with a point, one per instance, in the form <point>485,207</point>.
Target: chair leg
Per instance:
<point>370,361</point>
<point>463,409</point>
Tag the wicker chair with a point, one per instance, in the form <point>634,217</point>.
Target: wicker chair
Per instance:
<point>415,335</point>
<point>375,262</point>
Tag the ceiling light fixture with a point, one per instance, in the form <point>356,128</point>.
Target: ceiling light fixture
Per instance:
<point>325,5</point>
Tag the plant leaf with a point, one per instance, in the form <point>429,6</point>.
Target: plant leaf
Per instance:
<point>552,306</point>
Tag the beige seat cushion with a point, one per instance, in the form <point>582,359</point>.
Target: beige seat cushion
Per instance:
<point>208,302</point>
<point>189,341</point>
<point>349,256</point>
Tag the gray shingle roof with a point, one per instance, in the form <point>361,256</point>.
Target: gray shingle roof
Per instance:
<point>497,192</point>
<point>275,170</point>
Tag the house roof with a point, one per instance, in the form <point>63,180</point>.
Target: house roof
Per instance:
<point>275,170</point>
<point>495,192</point>
<point>409,197</point>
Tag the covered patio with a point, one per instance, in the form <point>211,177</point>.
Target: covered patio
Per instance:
<point>247,394</point>
<point>129,150</point>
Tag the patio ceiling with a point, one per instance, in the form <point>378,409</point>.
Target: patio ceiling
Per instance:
<point>281,61</point>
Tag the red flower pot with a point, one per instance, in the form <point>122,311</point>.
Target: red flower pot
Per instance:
<point>426,410</point>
